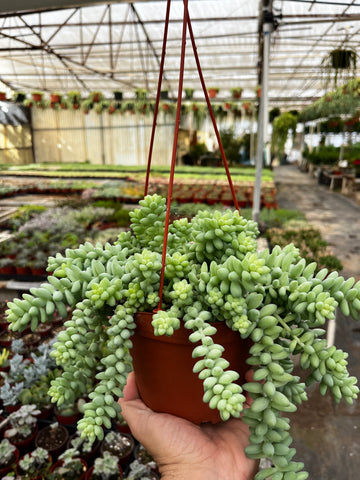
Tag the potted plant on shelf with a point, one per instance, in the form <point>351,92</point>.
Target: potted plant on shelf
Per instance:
<point>96,97</point>
<point>19,97</point>
<point>141,93</point>
<point>213,91</point>
<point>34,465</point>
<point>37,96</point>
<point>189,92</point>
<point>74,97</point>
<point>270,307</point>
<point>9,456</point>
<point>236,92</point>
<point>55,97</point>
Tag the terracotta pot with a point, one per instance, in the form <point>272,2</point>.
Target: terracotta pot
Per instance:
<point>237,94</point>
<point>12,408</point>
<point>60,462</point>
<point>9,270</point>
<point>164,368</point>
<point>122,427</point>
<point>54,98</point>
<point>23,270</point>
<point>23,444</point>
<point>66,419</point>
<point>52,439</point>
<point>37,97</point>
<point>38,272</point>
<point>212,92</point>
<point>2,96</point>
<point>14,461</point>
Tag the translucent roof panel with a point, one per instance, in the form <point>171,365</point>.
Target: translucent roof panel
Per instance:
<point>117,46</point>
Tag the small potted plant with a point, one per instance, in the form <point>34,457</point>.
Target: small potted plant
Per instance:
<point>19,97</point>
<point>7,266</point>
<point>141,93</point>
<point>141,471</point>
<point>68,467</point>
<point>9,456</point>
<point>37,394</point>
<point>86,448</point>
<point>120,444</point>
<point>105,467</point>
<point>189,92</point>
<point>37,96</point>
<point>236,92</point>
<point>55,97</point>
<point>53,438</point>
<point>34,465</point>
<point>67,413</point>
<point>213,91</point>
<point>118,96</point>
<point>232,306</point>
<point>74,97</point>
<point>22,425</point>
<point>96,97</point>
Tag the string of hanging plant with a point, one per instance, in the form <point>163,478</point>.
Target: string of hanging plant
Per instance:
<point>186,25</point>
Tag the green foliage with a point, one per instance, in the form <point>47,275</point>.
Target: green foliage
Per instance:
<point>281,127</point>
<point>7,451</point>
<point>34,464</point>
<point>23,215</point>
<point>312,247</point>
<point>106,467</point>
<point>329,155</point>
<point>212,270</point>
<point>231,144</point>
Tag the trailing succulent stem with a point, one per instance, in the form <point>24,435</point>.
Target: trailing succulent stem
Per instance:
<point>213,272</point>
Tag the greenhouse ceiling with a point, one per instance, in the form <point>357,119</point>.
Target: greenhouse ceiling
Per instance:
<point>82,45</point>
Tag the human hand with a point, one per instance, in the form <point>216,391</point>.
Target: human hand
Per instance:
<point>184,450</point>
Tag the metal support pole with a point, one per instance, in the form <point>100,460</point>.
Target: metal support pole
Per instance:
<point>262,137</point>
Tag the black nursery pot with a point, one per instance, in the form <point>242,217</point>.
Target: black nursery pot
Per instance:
<point>341,58</point>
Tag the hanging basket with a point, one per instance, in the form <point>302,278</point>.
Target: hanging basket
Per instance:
<point>164,369</point>
<point>342,59</point>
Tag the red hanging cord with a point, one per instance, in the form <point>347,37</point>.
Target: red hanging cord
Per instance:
<point>173,159</point>
<point>211,111</point>
<point>156,109</point>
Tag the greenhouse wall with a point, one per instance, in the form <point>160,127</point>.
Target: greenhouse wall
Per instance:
<point>99,138</point>
<point>15,144</point>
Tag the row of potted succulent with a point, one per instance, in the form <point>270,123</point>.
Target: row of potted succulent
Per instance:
<point>45,230</point>
<point>140,94</point>
<point>115,458</point>
<point>39,442</point>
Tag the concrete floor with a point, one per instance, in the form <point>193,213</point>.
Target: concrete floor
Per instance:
<point>327,436</point>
